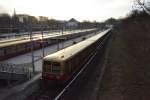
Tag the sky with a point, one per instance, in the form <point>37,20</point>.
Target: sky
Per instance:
<point>92,10</point>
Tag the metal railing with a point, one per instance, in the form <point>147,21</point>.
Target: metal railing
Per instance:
<point>16,68</point>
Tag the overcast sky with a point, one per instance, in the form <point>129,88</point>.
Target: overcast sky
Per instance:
<point>98,10</point>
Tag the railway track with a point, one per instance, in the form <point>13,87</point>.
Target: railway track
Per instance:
<point>49,92</point>
<point>55,91</point>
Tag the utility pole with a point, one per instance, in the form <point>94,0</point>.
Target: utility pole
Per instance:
<point>42,42</point>
<point>58,40</point>
<point>32,47</point>
<point>62,36</point>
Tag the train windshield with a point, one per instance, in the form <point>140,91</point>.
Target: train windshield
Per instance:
<point>47,66</point>
<point>55,68</point>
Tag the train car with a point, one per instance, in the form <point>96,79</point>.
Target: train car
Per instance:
<point>14,47</point>
<point>64,64</point>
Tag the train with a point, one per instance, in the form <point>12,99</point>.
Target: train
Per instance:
<point>64,64</point>
<point>21,45</point>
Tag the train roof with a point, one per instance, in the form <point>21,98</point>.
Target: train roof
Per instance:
<point>69,52</point>
<point>25,40</point>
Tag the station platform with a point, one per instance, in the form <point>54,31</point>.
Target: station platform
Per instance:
<point>21,91</point>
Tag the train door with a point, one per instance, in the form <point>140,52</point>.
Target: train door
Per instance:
<point>67,67</point>
<point>1,52</point>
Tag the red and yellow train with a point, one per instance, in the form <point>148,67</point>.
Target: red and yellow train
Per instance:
<point>62,65</point>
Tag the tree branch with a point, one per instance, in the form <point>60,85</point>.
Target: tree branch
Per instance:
<point>143,5</point>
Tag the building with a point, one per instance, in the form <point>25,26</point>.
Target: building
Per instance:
<point>72,23</point>
<point>43,18</point>
<point>22,17</point>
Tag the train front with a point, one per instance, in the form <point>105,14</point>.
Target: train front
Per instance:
<point>53,70</point>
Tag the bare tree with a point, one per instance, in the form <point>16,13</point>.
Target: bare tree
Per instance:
<point>144,4</point>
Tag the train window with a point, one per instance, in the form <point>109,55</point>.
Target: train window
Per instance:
<point>28,45</point>
<point>47,66</point>
<point>1,52</point>
<point>55,67</point>
<point>20,47</point>
<point>10,50</point>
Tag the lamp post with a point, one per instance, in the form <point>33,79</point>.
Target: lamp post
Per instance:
<point>42,42</point>
<point>32,47</point>
<point>62,36</point>
<point>58,39</point>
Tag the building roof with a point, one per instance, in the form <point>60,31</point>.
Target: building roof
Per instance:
<point>72,20</point>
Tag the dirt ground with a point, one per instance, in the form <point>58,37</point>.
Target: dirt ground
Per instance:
<point>127,74</point>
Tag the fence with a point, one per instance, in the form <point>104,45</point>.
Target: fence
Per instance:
<point>17,69</point>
